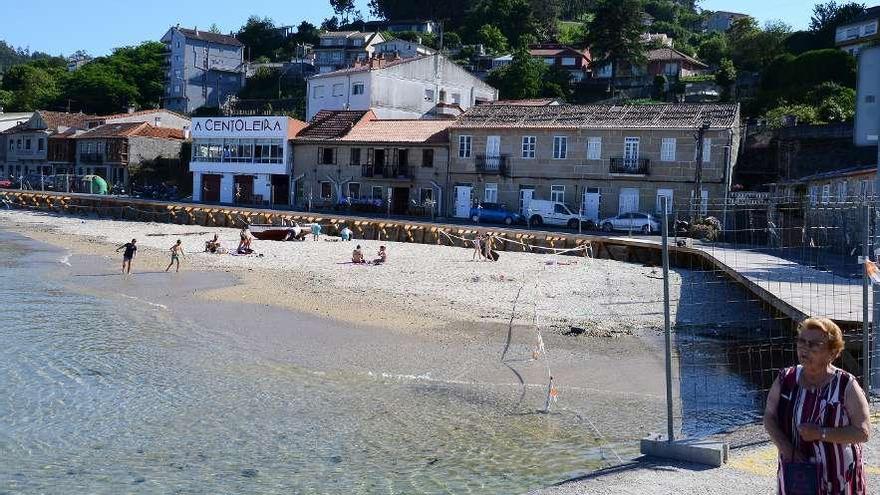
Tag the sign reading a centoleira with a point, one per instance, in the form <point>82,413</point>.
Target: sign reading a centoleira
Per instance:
<point>239,127</point>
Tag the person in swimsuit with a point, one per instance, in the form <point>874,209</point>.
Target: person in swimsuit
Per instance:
<point>213,245</point>
<point>357,256</point>
<point>818,417</point>
<point>176,253</point>
<point>382,256</point>
<point>128,255</point>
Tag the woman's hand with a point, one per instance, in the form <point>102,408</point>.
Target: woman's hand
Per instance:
<point>810,432</point>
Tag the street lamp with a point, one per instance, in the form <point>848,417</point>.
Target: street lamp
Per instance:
<point>698,176</point>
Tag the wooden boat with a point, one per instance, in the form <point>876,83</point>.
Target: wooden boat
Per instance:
<point>269,232</point>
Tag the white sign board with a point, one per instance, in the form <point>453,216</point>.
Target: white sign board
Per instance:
<point>239,127</point>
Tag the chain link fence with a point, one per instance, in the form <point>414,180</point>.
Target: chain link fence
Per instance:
<point>742,274</point>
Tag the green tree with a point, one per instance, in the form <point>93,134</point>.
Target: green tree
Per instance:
<point>725,77</point>
<point>261,37</point>
<point>98,88</point>
<point>614,35</point>
<point>344,9</point>
<point>514,18</point>
<point>713,50</point>
<point>805,114</point>
<point>452,12</point>
<point>493,39</point>
<point>834,103</point>
<point>827,16</point>
<point>521,79</point>
<point>752,48</point>
<point>31,87</point>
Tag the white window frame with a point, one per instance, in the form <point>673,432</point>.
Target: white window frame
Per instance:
<point>557,193</point>
<point>465,145</point>
<point>338,89</point>
<point>318,92</point>
<point>529,145</point>
<point>429,94</point>
<point>669,193</point>
<point>560,147</point>
<point>357,88</point>
<point>594,148</point>
<point>667,149</point>
<point>490,192</point>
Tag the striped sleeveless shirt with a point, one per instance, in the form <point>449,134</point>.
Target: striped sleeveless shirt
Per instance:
<point>840,465</point>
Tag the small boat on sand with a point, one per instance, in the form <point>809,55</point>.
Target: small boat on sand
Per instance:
<point>269,232</point>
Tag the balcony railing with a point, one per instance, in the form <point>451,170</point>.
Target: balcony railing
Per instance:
<point>635,166</point>
<point>491,164</point>
<point>91,157</point>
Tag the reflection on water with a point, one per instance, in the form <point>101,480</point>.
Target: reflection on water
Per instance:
<point>106,397</point>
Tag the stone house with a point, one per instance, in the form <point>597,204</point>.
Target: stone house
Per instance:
<point>28,143</point>
<point>111,150</point>
<point>352,160</point>
<point>600,159</point>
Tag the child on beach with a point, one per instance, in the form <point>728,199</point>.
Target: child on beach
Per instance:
<point>316,231</point>
<point>244,245</point>
<point>478,248</point>
<point>382,256</point>
<point>130,249</point>
<point>176,253</point>
<point>345,233</point>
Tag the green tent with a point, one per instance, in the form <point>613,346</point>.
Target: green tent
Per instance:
<point>94,184</point>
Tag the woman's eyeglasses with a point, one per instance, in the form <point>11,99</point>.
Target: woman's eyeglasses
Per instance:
<point>811,344</point>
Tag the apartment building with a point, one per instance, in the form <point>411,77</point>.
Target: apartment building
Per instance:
<point>354,160</point>
<point>860,33</point>
<point>600,159</point>
<point>341,49</point>
<point>203,69</point>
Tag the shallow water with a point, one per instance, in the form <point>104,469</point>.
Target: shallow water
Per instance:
<point>109,393</point>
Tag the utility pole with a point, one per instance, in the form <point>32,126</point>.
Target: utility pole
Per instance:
<point>697,200</point>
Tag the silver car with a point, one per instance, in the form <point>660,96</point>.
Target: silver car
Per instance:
<point>639,222</point>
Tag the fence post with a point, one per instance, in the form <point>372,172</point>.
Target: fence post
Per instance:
<point>866,285</point>
<point>670,434</point>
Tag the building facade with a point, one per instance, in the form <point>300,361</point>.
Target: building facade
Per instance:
<point>113,150</point>
<point>403,49</point>
<point>575,62</point>
<point>341,49</point>
<point>861,33</point>
<point>598,159</point>
<point>399,88</point>
<point>27,144</point>
<point>203,68</point>
<point>353,160</point>
<point>721,21</point>
<point>243,160</point>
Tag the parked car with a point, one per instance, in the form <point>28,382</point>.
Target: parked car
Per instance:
<point>641,222</point>
<point>555,213</point>
<point>495,213</point>
<point>5,183</point>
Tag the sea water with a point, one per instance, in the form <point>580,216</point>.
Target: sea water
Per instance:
<point>115,394</point>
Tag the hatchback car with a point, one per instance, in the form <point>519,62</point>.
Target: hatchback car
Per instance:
<point>641,222</point>
<point>495,213</point>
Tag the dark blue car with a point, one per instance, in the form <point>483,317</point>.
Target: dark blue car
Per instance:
<point>495,213</point>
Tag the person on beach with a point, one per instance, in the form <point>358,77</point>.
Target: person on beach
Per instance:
<point>128,255</point>
<point>316,231</point>
<point>818,417</point>
<point>244,244</point>
<point>213,245</point>
<point>357,256</point>
<point>176,253</point>
<point>488,242</point>
<point>345,233</point>
<point>478,248</point>
<point>382,256</point>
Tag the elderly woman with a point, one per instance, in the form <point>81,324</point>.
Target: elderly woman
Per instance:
<point>817,416</point>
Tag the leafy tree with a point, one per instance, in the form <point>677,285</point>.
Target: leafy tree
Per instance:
<point>794,74</point>
<point>521,79</point>
<point>827,16</point>
<point>31,88</point>
<point>713,50</point>
<point>343,9</point>
<point>307,32</point>
<point>571,33</point>
<point>451,40</point>
<point>515,19</point>
<point>752,48</point>
<point>6,99</point>
<point>97,88</point>
<point>556,83</point>
<point>804,41</point>
<point>452,12</point>
<point>834,103</point>
<point>725,77</point>
<point>614,35</point>
<point>330,24</point>
<point>493,39</point>
<point>214,28</point>
<point>261,37</point>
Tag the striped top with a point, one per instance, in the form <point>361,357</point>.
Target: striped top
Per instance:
<point>840,465</point>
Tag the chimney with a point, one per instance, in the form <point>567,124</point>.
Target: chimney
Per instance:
<point>196,29</point>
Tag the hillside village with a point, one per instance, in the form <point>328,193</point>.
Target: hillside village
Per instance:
<point>502,102</point>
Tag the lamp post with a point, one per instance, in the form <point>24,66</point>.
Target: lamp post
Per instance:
<point>698,175</point>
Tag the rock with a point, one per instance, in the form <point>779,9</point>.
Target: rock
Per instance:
<point>249,473</point>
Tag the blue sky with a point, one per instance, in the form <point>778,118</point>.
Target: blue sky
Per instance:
<point>98,26</point>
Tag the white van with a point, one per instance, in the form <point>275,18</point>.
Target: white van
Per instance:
<point>541,211</point>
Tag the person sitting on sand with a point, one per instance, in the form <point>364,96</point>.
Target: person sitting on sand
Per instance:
<point>213,245</point>
<point>357,256</point>
<point>382,256</point>
<point>244,245</point>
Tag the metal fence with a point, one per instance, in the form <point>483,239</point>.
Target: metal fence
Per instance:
<point>741,275</point>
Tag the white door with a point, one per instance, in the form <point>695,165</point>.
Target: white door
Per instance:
<point>493,152</point>
<point>629,200</point>
<point>631,152</point>
<point>525,197</point>
<point>591,203</point>
<point>462,201</point>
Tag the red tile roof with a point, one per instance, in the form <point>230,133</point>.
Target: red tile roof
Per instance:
<point>54,120</point>
<point>660,116</point>
<point>332,124</point>
<point>129,129</point>
<point>399,131</point>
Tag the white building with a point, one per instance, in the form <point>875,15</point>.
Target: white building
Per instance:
<point>860,33</point>
<point>396,88</point>
<point>341,49</point>
<point>243,160</point>
<point>403,49</point>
